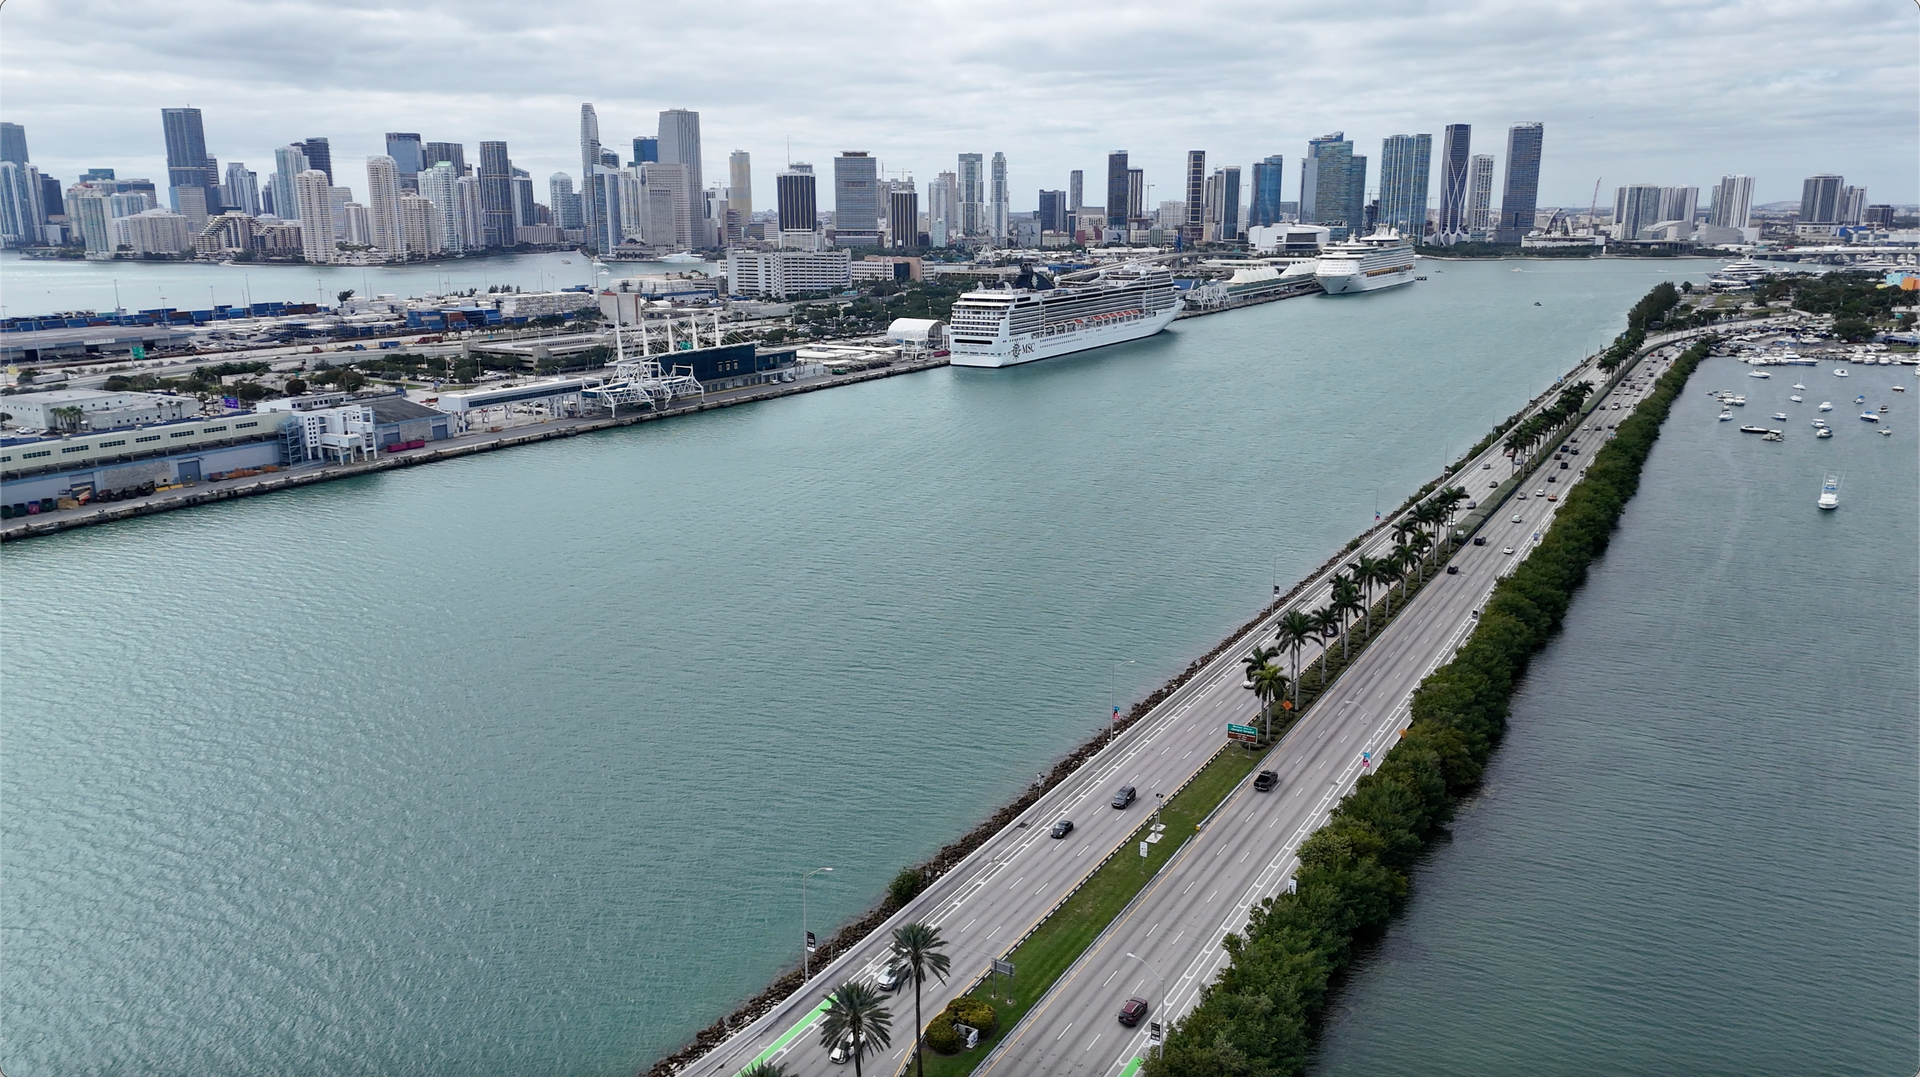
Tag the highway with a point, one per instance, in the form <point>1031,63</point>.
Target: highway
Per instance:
<point>997,895</point>
<point>1167,946</point>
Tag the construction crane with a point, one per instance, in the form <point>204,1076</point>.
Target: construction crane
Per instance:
<point>1593,228</point>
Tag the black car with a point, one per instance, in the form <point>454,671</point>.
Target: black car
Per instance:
<point>1264,781</point>
<point>1133,1011</point>
<point>1563,465</point>
<point>1453,570</point>
<point>1062,828</point>
<point>1479,540</point>
<point>1124,797</point>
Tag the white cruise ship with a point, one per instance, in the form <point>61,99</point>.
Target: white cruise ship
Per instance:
<point>1381,260</point>
<point>1034,319</point>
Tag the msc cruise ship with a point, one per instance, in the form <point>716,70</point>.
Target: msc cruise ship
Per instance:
<point>1381,260</point>
<point>1035,319</point>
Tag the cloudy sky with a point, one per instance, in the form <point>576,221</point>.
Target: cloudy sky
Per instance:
<point>1674,92</point>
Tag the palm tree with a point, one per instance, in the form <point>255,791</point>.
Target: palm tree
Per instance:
<point>765,1069</point>
<point>916,954</point>
<point>1295,629</point>
<point>1346,600</point>
<point>1269,684</point>
<point>855,1017</point>
<point>1420,544</point>
<point>1258,657</point>
<point>1326,624</point>
<point>1367,571</point>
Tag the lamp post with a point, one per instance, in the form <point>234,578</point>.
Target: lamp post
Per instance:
<point>806,951</point>
<point>1160,1014</point>
<point>1113,695</point>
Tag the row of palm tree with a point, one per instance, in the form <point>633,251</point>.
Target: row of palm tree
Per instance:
<point>857,1017</point>
<point>1538,427</point>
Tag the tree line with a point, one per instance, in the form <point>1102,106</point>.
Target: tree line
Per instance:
<point>1261,1016</point>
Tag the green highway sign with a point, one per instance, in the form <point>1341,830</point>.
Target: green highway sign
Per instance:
<point>1247,729</point>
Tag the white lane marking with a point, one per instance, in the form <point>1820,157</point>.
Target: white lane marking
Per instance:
<point>1063,1032</point>
<point>1094,1040</point>
<point>1213,895</point>
<point>1190,886</point>
<point>1110,977</point>
<point>1016,882</point>
<point>970,924</point>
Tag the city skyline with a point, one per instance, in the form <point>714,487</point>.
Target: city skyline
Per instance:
<point>1786,108</point>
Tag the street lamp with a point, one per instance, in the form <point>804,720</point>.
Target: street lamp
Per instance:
<point>806,948</point>
<point>1113,695</point>
<point>1161,1014</point>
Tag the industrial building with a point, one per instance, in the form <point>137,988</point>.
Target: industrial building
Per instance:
<point>99,410</point>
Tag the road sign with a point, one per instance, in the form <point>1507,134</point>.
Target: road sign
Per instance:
<point>139,352</point>
<point>1004,968</point>
<point>1245,733</point>
<point>969,1036</point>
<point>1153,1032</point>
<point>809,942</point>
<point>1143,850</point>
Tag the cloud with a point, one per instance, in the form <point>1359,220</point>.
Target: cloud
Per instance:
<point>1633,91</point>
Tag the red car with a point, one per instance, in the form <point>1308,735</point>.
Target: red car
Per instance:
<point>1133,1011</point>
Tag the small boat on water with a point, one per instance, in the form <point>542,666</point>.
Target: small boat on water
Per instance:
<point>1826,405</point>
<point>1868,416</point>
<point>1883,409</point>
<point>1755,430</point>
<point>1725,415</point>
<point>1799,386</point>
<point>1774,435</point>
<point>1839,373</point>
<point>1899,388</point>
<point>1861,399</point>
<point>1885,433</point>
<point>1823,432</point>
<point>1780,415</point>
<point>1740,401</point>
<point>1796,399</point>
<point>1830,491</point>
<point>1758,374</point>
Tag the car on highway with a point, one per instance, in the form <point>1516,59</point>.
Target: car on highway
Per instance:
<point>1062,828</point>
<point>1264,781</point>
<point>1553,478</point>
<point>1517,518</point>
<point>1488,466</point>
<point>1479,540</point>
<point>1124,796</point>
<point>1493,486</point>
<point>1521,496</point>
<point>1133,1011</point>
<point>890,979</point>
<point>1542,492</point>
<point>1453,570</point>
<point>1553,497</point>
<point>1563,465</point>
<point>1507,549</point>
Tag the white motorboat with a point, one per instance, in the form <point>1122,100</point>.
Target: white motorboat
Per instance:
<point>1819,423</point>
<point>1780,415</point>
<point>1830,491</point>
<point>1823,432</point>
<point>1725,415</point>
<point>1861,399</point>
<point>1740,401</point>
<point>1826,405</point>
<point>1869,417</point>
<point>1796,399</point>
<point>1758,374</point>
<point>1839,373</point>
<point>1884,432</point>
<point>1899,388</point>
<point>1799,386</point>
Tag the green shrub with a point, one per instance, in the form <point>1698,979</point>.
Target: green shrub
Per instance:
<point>942,1037</point>
<point>906,886</point>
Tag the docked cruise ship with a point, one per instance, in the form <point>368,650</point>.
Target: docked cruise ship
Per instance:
<point>1036,319</point>
<point>1381,260</point>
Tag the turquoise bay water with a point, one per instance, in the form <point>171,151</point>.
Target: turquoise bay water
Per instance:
<point>1695,849</point>
<point>512,764</point>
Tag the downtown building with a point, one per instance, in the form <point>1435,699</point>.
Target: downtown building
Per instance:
<point>786,273</point>
<point>1404,164</point>
<point>1454,225</point>
<point>1333,186</point>
<point>1519,198</point>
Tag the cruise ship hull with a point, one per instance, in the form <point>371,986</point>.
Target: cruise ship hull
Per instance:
<point>1013,351</point>
<point>1351,283</point>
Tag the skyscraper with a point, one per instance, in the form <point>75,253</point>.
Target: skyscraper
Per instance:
<point>1452,226</point>
<point>1267,177</point>
<point>591,212</point>
<point>999,205</point>
<point>496,195</point>
<point>1636,209</point>
<point>242,189</point>
<point>1680,204</point>
<point>1480,198</point>
<point>383,207</point>
<point>437,184</point>
<point>1820,199</point>
<point>856,200</point>
<point>943,208</point>
<point>404,148</point>
<point>1226,204</point>
<point>313,198</point>
<point>187,162</point>
<point>903,216</point>
<point>526,212</point>
<point>563,200</point>
<point>454,153</point>
<point>671,177</point>
<point>797,201</point>
<point>13,143</point>
<point>645,148</point>
<point>1053,211</point>
<point>288,162</point>
<point>1404,161</point>
<point>1117,189</point>
<point>1853,204</point>
<point>1518,197</point>
<point>319,155</point>
<point>973,194</point>
<point>1333,185</point>
<point>1136,197</point>
<point>1076,190</point>
<point>1732,202</point>
<point>680,143</point>
<point>740,190</point>
<point>1196,193</point>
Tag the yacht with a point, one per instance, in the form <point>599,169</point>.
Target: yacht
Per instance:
<point>1839,373</point>
<point>1826,405</point>
<point>683,258</point>
<point>1861,399</point>
<point>1740,401</point>
<point>1758,374</point>
<point>1755,430</point>
<point>1885,433</point>
<point>1823,432</point>
<point>1780,415</point>
<point>1830,491</point>
<point>1381,260</point>
<point>1796,399</point>
<point>1725,415</point>
<point>1899,388</point>
<point>1870,417</point>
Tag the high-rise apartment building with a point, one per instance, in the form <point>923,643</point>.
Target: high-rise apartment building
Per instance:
<point>645,148</point>
<point>496,195</point>
<point>1519,198</point>
<point>999,198</point>
<point>405,149</point>
<point>1480,198</point>
<point>288,162</point>
<point>943,208</point>
<point>313,197</point>
<point>903,216</point>
<point>1404,162</point>
<point>1820,199</point>
<point>1117,189</point>
<point>1732,202</point>
<point>1454,154</point>
<point>856,200</point>
<point>419,225</point>
<point>680,144</point>
<point>319,155</point>
<point>1680,204</point>
<point>1267,178</point>
<point>1333,186</point>
<point>242,190</point>
<point>591,212</point>
<point>1136,197</point>
<point>739,191</point>
<point>438,185</point>
<point>973,194</point>
<point>454,153</point>
<point>13,143</point>
<point>1053,211</point>
<point>1636,209</point>
<point>1076,190</point>
<point>383,207</point>
<point>526,208</point>
<point>564,200</point>
<point>1853,203</point>
<point>1196,193</point>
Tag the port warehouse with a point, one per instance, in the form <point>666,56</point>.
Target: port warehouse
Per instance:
<point>188,450</point>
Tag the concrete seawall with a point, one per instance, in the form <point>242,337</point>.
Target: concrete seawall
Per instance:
<point>208,493</point>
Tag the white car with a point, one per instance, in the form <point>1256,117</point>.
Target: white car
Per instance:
<point>1507,549</point>
<point>1516,518</point>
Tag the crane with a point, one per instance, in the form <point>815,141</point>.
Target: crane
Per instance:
<point>1593,228</point>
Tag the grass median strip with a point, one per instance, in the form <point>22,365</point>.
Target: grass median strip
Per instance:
<point>1058,942</point>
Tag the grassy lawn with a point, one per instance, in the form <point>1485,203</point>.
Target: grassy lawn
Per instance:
<point>1060,941</point>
